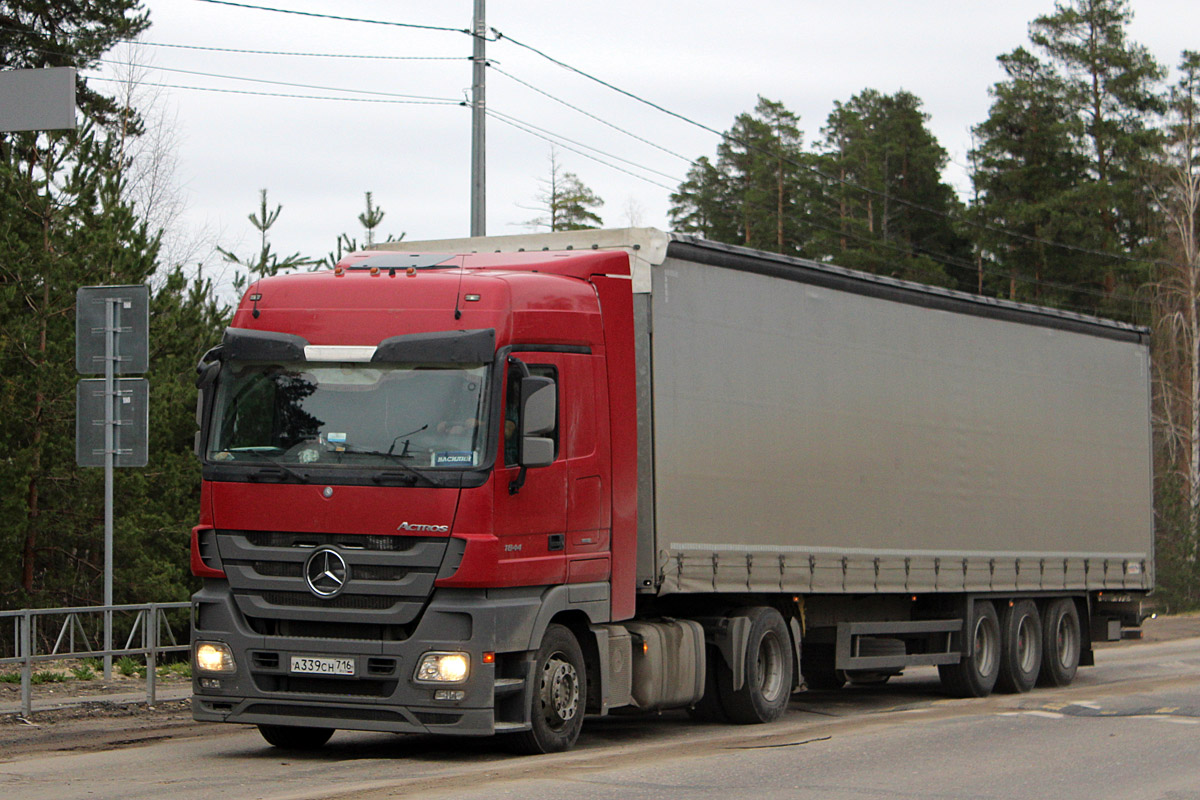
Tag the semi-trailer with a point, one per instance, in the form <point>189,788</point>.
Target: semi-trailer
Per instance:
<point>493,485</point>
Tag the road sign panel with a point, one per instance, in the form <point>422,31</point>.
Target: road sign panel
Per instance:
<point>131,417</point>
<point>131,326</point>
<point>37,99</point>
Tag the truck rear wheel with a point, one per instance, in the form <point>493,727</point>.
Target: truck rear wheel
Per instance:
<point>768,669</point>
<point>558,696</point>
<point>1020,646</point>
<point>1061,643</point>
<point>975,675</point>
<point>290,737</point>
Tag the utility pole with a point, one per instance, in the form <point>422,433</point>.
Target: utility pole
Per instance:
<point>478,107</point>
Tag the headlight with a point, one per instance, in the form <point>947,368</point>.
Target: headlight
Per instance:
<point>214,657</point>
<point>443,668</point>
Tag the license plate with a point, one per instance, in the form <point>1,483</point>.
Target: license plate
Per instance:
<point>323,666</point>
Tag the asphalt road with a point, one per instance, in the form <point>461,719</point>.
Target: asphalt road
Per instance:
<point>1129,728</point>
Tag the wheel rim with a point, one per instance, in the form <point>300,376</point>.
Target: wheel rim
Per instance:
<point>769,667</point>
<point>986,657</point>
<point>559,691</point>
<point>1066,642</point>
<point>1026,651</point>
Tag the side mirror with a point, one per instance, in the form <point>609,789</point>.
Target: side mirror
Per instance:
<point>206,375</point>
<point>539,417</point>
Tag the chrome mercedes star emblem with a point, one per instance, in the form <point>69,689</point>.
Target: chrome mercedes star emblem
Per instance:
<point>326,572</point>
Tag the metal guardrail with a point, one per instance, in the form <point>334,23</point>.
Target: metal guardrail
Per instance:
<point>73,641</point>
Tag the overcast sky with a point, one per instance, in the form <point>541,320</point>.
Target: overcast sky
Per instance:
<point>704,60</point>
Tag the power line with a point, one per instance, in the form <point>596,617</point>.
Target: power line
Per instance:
<point>434,102</point>
<point>581,144</point>
<point>336,17</point>
<point>292,52</point>
<point>808,167</point>
<point>281,83</point>
<point>546,138</point>
<point>597,118</point>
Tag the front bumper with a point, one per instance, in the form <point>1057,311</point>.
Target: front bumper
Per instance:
<point>383,694</point>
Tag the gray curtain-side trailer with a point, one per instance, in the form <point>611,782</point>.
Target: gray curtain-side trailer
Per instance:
<point>908,475</point>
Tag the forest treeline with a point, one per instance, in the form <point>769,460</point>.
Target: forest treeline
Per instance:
<point>1085,194</point>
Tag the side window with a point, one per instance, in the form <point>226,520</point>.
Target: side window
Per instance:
<point>511,410</point>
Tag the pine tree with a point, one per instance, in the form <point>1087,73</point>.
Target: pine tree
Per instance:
<point>1100,90</point>
<point>1025,169</point>
<point>267,262</point>
<point>701,204</point>
<point>886,208</point>
<point>568,204</point>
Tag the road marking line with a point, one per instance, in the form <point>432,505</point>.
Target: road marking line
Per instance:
<point>1045,714</point>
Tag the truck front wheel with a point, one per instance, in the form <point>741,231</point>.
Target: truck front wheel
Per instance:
<point>768,669</point>
<point>291,737</point>
<point>558,696</point>
<point>975,675</point>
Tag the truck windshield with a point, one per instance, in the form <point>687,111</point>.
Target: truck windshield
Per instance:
<point>350,415</point>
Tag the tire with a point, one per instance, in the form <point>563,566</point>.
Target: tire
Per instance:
<point>769,668</point>
<point>975,675</point>
<point>558,696</point>
<point>1062,643</point>
<point>708,708</point>
<point>1020,647</point>
<point>290,737</point>
<point>816,663</point>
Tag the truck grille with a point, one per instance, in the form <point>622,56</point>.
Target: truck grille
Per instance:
<point>390,577</point>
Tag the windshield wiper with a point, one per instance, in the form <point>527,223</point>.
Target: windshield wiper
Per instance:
<point>406,471</point>
<point>404,451</point>
<point>276,468</point>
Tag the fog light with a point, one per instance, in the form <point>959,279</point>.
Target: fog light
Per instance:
<point>210,683</point>
<point>443,668</point>
<point>449,694</point>
<point>214,657</point>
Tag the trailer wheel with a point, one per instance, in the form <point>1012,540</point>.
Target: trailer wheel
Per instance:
<point>975,675</point>
<point>1020,646</point>
<point>291,737</point>
<point>558,696</point>
<point>768,669</point>
<point>1061,643</point>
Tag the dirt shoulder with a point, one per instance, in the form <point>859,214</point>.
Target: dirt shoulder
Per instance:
<point>1164,628</point>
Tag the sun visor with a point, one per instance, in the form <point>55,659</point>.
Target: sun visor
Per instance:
<point>442,347</point>
<point>243,344</point>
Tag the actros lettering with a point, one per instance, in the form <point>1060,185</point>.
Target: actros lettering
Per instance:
<point>407,526</point>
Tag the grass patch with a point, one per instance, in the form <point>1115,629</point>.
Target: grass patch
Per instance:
<point>128,667</point>
<point>48,676</point>
<point>10,677</point>
<point>83,673</point>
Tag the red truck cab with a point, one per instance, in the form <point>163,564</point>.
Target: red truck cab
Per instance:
<point>418,472</point>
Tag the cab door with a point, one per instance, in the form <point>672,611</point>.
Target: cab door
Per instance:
<point>553,529</point>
